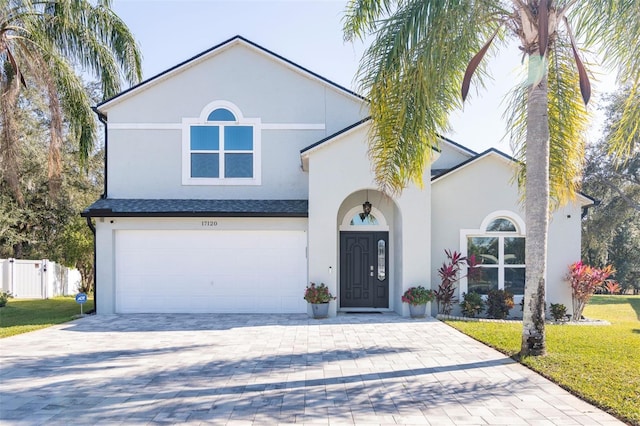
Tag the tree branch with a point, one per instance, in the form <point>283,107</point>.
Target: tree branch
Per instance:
<point>630,201</point>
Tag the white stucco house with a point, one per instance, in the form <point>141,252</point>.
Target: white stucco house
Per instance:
<point>237,177</point>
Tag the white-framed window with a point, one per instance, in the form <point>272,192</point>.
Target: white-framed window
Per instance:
<point>498,248</point>
<point>221,147</point>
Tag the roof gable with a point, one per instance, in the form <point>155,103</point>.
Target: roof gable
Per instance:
<point>585,200</point>
<point>214,51</point>
<point>332,138</point>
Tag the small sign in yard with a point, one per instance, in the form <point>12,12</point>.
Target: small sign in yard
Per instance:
<point>81,298</point>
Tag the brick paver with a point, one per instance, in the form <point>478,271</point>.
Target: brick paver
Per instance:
<point>272,369</point>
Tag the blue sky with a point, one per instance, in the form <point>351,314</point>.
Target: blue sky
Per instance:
<point>307,32</point>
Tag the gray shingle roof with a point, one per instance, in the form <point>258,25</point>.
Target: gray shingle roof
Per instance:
<point>117,207</point>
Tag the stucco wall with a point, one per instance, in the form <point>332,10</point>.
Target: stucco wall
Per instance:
<point>146,162</point>
<point>462,199</point>
<point>339,175</point>
<point>450,156</point>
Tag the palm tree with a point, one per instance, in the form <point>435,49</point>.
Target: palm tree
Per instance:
<point>424,51</point>
<point>43,46</point>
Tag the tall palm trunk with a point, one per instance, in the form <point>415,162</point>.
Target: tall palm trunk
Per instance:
<point>537,217</point>
<point>9,155</point>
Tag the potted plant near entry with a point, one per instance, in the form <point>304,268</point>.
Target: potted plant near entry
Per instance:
<point>319,297</point>
<point>417,298</point>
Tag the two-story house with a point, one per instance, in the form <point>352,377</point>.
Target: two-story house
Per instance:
<point>237,177</point>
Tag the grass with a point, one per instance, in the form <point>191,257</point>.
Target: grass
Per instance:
<point>24,315</point>
<point>600,364</point>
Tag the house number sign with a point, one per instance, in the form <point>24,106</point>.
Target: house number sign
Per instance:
<point>209,223</point>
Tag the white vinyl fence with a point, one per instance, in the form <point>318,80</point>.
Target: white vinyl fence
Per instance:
<point>37,279</point>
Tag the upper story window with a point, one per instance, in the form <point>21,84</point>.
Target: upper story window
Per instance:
<point>221,147</point>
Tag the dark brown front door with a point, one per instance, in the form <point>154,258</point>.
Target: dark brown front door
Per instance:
<point>364,269</point>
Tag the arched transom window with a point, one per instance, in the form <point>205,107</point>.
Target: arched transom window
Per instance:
<point>356,220</point>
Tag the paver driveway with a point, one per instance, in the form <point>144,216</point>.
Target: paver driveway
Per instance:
<point>270,369</point>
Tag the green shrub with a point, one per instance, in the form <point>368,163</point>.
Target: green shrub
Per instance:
<point>558,311</point>
<point>472,304</point>
<point>499,303</point>
<point>4,297</point>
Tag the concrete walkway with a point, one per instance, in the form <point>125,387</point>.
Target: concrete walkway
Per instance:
<point>271,369</point>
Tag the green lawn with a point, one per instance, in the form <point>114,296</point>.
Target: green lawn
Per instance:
<point>601,364</point>
<point>23,315</point>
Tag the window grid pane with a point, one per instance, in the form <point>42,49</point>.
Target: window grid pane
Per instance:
<point>238,165</point>
<point>485,249</point>
<point>238,138</point>
<point>514,280</point>
<point>205,138</point>
<point>205,165</point>
<point>514,250</point>
<point>483,280</point>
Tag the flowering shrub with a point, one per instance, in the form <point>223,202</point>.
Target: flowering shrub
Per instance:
<point>318,294</point>
<point>585,280</point>
<point>417,296</point>
<point>611,287</point>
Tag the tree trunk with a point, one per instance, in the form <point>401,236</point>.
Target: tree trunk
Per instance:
<point>536,219</point>
<point>9,144</point>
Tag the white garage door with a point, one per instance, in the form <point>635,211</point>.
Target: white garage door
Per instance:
<point>210,271</point>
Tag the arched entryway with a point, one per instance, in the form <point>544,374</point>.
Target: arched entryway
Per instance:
<point>364,259</point>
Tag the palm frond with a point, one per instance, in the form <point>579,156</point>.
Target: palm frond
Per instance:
<point>361,16</point>
<point>568,123</point>
<point>612,27</point>
<point>76,106</point>
<point>412,74</point>
<point>93,37</point>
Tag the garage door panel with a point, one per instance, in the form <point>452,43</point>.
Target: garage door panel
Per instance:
<point>210,271</point>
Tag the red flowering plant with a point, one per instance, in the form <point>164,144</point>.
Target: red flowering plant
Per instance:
<point>318,294</point>
<point>449,274</point>
<point>585,280</point>
<point>417,296</point>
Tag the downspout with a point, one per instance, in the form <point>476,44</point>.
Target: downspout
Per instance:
<point>95,265</point>
<point>103,120</point>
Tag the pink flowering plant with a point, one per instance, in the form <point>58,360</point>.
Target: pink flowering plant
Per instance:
<point>585,280</point>
<point>318,294</point>
<point>417,296</point>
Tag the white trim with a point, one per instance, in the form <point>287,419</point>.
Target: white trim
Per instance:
<point>221,103</point>
<point>521,228</point>
<point>255,123</point>
<point>346,221</point>
<point>178,126</point>
<point>145,126</point>
<point>293,126</point>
